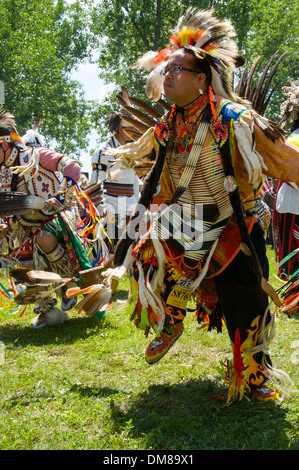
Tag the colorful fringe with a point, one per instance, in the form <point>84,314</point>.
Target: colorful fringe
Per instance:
<point>235,373</point>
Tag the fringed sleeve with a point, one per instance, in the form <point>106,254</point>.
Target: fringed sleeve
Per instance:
<point>260,149</point>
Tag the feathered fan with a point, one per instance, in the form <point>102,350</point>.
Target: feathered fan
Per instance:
<point>30,295</point>
<point>97,298</point>
<point>96,295</point>
<point>31,277</point>
<point>259,95</point>
<point>95,194</point>
<point>32,137</point>
<point>17,203</point>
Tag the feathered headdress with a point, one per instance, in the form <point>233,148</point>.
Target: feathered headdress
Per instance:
<point>32,137</point>
<point>8,129</point>
<point>290,108</point>
<point>209,40</point>
<point>117,119</point>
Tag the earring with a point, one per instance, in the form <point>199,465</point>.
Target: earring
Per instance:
<point>200,91</point>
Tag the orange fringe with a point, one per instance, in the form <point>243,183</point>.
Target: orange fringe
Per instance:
<point>210,92</point>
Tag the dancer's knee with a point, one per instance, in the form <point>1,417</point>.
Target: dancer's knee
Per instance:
<point>46,241</point>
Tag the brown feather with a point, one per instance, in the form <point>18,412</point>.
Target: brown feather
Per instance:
<point>125,95</point>
<point>95,193</point>
<point>138,124</point>
<point>266,87</point>
<point>240,88</point>
<point>271,292</point>
<point>132,133</point>
<point>80,305</point>
<point>31,295</point>
<point>164,104</point>
<point>73,291</point>
<point>94,189</point>
<point>31,277</point>
<point>145,107</point>
<point>249,78</point>
<point>143,169</point>
<point>16,203</point>
<point>257,94</point>
<point>37,122</point>
<point>121,100</point>
<point>140,115</point>
<point>99,298</point>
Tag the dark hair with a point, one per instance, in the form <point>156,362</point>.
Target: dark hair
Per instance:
<point>4,131</point>
<point>113,121</point>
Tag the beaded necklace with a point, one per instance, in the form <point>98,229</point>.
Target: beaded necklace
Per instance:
<point>181,136</point>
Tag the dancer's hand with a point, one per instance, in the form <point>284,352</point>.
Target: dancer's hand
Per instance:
<point>53,205</point>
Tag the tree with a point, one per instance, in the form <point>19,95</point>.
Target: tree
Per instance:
<point>264,27</point>
<point>129,28</point>
<point>41,42</point>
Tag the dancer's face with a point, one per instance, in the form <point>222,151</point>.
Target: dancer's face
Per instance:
<point>182,86</point>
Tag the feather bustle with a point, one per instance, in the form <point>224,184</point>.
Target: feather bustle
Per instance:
<point>16,203</point>
<point>32,277</point>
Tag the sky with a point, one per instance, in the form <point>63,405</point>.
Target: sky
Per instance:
<point>87,75</point>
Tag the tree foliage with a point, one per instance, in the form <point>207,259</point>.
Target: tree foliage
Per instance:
<point>41,42</point>
<point>264,27</point>
<point>129,28</point>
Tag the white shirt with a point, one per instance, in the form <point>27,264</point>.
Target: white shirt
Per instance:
<point>105,170</point>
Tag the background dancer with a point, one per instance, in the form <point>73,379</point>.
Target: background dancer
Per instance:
<point>37,236</point>
<point>120,184</point>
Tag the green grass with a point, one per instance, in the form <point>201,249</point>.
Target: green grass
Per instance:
<point>85,385</point>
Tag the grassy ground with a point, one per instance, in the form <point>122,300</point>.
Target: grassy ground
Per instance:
<point>85,385</point>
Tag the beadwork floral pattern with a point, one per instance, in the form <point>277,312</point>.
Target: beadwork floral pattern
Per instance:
<point>161,132</point>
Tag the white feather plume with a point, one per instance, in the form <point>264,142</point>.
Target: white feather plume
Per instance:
<point>146,61</point>
<point>154,85</point>
<point>253,161</point>
<point>33,138</point>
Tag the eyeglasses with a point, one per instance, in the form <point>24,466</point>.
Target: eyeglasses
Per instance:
<point>177,69</point>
